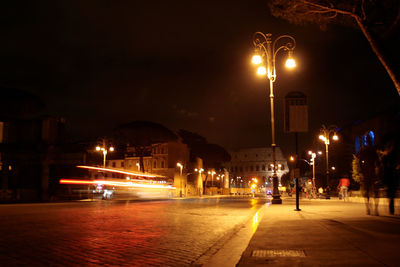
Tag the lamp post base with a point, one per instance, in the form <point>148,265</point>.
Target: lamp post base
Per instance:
<point>276,200</point>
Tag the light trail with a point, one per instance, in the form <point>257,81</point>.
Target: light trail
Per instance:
<point>120,171</point>
<point>115,183</point>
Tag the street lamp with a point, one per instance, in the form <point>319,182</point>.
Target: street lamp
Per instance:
<point>312,160</point>
<point>105,150</point>
<point>180,168</point>
<point>266,52</point>
<point>212,177</point>
<point>326,134</point>
<point>201,179</point>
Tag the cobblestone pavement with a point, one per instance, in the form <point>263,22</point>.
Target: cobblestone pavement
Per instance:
<point>130,233</point>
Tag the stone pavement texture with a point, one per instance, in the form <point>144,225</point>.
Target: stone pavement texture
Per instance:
<point>324,233</point>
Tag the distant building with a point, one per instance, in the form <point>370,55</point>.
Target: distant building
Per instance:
<point>257,163</point>
<point>162,159</point>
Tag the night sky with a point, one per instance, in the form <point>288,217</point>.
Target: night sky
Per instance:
<point>184,64</point>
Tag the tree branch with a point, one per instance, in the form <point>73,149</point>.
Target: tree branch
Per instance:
<point>330,9</point>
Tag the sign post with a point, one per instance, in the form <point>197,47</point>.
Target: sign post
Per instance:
<point>296,121</point>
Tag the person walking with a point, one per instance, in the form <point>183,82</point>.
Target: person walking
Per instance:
<point>343,186</point>
<point>368,161</point>
<point>390,167</point>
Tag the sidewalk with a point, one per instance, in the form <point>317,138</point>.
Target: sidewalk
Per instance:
<point>324,232</point>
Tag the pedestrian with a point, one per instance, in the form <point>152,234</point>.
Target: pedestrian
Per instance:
<point>368,161</point>
<point>320,191</point>
<point>390,170</point>
<point>343,186</point>
<point>309,189</point>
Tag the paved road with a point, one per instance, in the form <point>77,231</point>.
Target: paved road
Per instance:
<point>156,233</point>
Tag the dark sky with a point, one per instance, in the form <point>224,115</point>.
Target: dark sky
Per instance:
<point>184,64</point>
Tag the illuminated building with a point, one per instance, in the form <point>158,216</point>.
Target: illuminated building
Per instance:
<point>255,162</point>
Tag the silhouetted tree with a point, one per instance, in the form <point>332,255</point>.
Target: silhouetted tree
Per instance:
<point>378,21</point>
<point>141,135</point>
<point>213,155</point>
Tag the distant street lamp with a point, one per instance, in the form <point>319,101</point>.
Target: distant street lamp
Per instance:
<point>181,178</point>
<point>104,148</point>
<point>212,177</point>
<point>200,171</point>
<point>326,134</point>
<point>138,166</point>
<point>312,160</point>
<point>265,56</point>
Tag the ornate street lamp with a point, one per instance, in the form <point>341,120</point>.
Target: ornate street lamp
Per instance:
<point>312,162</point>
<point>326,134</point>
<point>104,149</point>
<point>265,56</point>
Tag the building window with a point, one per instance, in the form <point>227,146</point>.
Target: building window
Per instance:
<point>241,169</point>
<point>256,155</point>
<point>113,164</point>
<point>155,164</point>
<point>162,164</point>
<point>251,168</point>
<point>257,168</point>
<point>162,150</point>
<point>263,167</point>
<point>122,164</point>
<point>245,155</point>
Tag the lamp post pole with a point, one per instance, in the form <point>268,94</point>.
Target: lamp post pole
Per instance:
<point>313,157</point>
<point>266,52</point>
<point>181,178</point>
<point>326,133</point>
